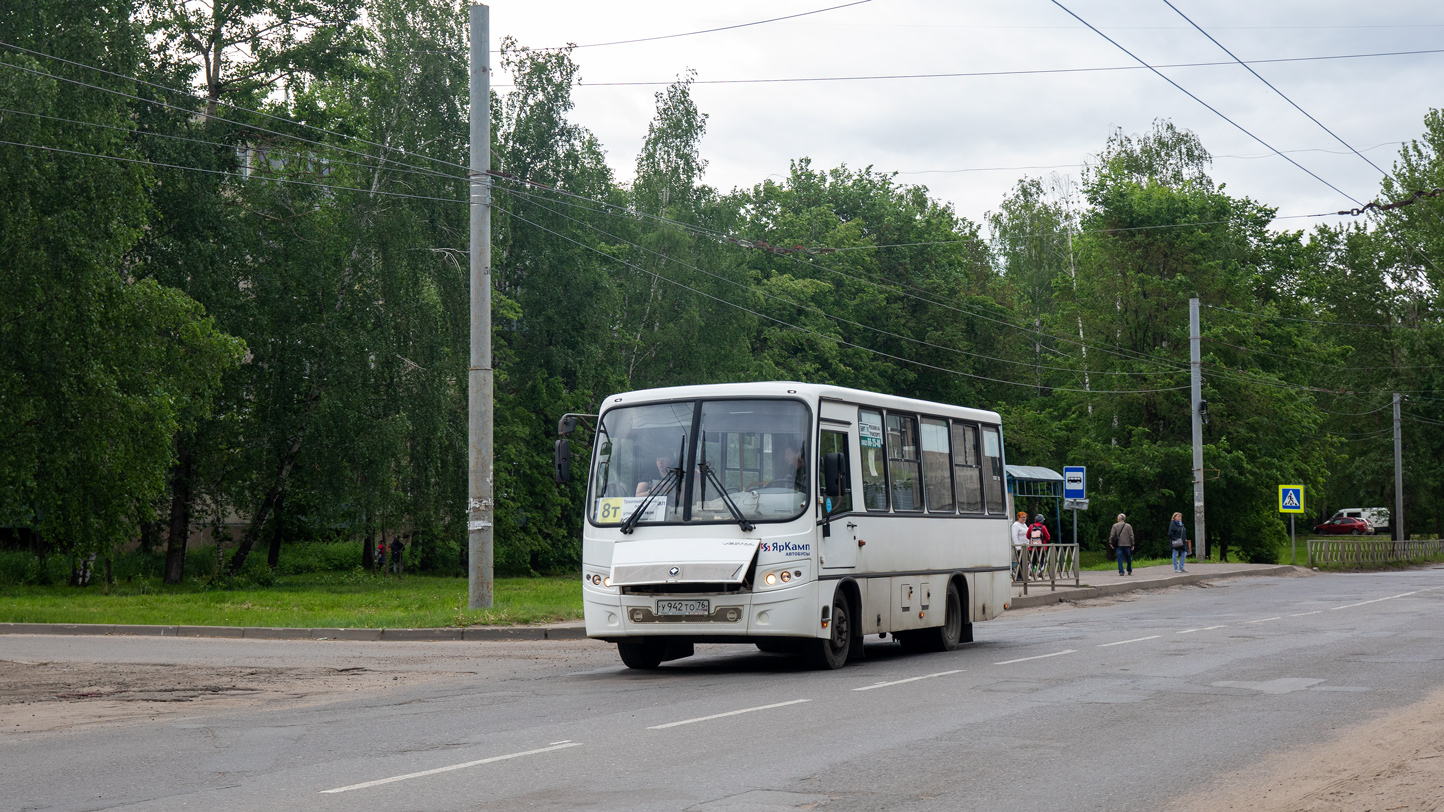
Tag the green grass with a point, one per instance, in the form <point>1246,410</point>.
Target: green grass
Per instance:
<point>1102,560</point>
<point>317,600</point>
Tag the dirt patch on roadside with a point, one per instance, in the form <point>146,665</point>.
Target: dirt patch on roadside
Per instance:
<point>1392,764</point>
<point>41,696</point>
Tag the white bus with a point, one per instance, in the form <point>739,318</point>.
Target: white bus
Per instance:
<point>792,516</point>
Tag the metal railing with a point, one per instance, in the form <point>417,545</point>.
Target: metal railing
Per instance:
<point>1358,553</point>
<point>1046,563</point>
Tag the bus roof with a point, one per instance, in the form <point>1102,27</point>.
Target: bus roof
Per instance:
<point>807,391</point>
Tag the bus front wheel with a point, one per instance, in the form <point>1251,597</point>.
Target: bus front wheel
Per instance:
<point>832,651</point>
<point>642,654</point>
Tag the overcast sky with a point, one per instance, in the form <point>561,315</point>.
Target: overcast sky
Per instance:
<point>952,134</point>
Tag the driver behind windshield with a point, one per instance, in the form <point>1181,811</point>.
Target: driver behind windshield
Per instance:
<point>664,463</point>
<point>790,473</point>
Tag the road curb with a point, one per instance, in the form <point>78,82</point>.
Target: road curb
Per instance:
<point>1084,593</point>
<point>476,633</point>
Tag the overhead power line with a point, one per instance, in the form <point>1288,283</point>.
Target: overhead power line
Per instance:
<point>189,111</point>
<point>1271,317</point>
<point>1079,165</point>
<point>819,311</point>
<point>823,336</point>
<point>1213,109</point>
<point>707,30</point>
<point>982,74</point>
<point>262,178</point>
<point>203,99</point>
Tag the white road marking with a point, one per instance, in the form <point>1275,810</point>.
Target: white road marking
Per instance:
<point>728,713</point>
<point>1264,619</point>
<point>1204,629</point>
<point>1039,657</point>
<point>1134,640</point>
<point>1306,614</point>
<point>1376,600</point>
<point>423,773</point>
<point>909,679</point>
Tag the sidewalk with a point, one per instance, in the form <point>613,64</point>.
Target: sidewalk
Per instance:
<point>1097,583</point>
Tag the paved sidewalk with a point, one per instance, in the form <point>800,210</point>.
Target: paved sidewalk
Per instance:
<point>1097,583</point>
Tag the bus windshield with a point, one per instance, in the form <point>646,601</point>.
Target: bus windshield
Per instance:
<point>755,454</point>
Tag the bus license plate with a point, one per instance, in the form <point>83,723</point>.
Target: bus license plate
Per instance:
<point>692,607</point>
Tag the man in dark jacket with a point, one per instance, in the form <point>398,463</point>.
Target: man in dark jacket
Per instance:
<point>1121,538</point>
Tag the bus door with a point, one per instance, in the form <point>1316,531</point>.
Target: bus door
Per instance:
<point>839,547</point>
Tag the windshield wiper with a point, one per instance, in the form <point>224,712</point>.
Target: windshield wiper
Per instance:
<point>673,475</point>
<point>712,477</point>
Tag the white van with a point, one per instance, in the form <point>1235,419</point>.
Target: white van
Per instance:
<point>1378,518</point>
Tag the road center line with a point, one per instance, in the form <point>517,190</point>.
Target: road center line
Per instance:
<point>1376,600</point>
<point>728,713</point>
<point>1264,619</point>
<point>1204,629</point>
<point>909,679</point>
<point>1134,640</point>
<point>1306,614</point>
<point>478,762</point>
<point>1039,657</point>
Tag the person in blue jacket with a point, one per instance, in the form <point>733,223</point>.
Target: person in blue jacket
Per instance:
<point>1178,540</point>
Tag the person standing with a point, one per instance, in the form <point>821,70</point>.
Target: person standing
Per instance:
<point>1178,540</point>
<point>1121,539</point>
<point>398,549</point>
<point>1020,545</point>
<point>1038,536</point>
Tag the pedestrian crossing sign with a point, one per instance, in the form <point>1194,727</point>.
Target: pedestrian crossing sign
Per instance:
<point>1291,499</point>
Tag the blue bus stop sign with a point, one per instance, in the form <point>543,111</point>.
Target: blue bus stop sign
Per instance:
<point>1075,482</point>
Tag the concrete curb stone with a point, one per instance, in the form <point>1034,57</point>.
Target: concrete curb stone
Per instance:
<point>1084,593</point>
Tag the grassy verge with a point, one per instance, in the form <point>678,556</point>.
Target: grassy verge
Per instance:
<point>316,600</point>
<point>1100,560</point>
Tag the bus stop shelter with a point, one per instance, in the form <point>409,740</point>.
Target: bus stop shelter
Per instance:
<point>1037,482</point>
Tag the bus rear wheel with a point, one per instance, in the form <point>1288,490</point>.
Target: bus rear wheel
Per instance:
<point>832,651</point>
<point>949,636</point>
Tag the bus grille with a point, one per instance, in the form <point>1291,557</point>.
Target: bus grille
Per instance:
<point>633,574</point>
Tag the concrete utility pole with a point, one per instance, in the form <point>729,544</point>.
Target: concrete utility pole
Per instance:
<point>1195,369</point>
<point>480,509</point>
<point>1397,520</point>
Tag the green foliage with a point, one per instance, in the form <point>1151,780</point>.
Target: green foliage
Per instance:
<point>177,348</point>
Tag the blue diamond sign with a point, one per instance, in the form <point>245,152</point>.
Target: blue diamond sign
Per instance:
<point>1291,499</point>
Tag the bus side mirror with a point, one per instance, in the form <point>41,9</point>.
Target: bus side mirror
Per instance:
<point>566,425</point>
<point>834,472</point>
<point>562,462</point>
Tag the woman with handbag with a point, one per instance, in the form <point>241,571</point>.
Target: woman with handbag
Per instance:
<point>1178,540</point>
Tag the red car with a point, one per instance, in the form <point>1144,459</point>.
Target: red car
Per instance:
<point>1342,526</point>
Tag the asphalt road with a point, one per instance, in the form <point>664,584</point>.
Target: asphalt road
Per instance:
<point>1122,705</point>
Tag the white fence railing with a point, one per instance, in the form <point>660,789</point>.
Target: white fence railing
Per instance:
<point>1046,563</point>
<point>1358,553</point>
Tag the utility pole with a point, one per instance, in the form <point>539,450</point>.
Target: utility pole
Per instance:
<point>480,509</point>
<point>1195,369</point>
<point>1397,520</point>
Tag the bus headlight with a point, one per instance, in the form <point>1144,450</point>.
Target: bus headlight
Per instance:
<point>786,576</point>
<point>607,581</point>
<point>770,578</point>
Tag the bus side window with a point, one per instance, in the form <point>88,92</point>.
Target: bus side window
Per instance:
<point>835,442</point>
<point>993,469</point>
<point>903,463</point>
<point>874,465</point>
<point>966,473</point>
<point>937,473</point>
